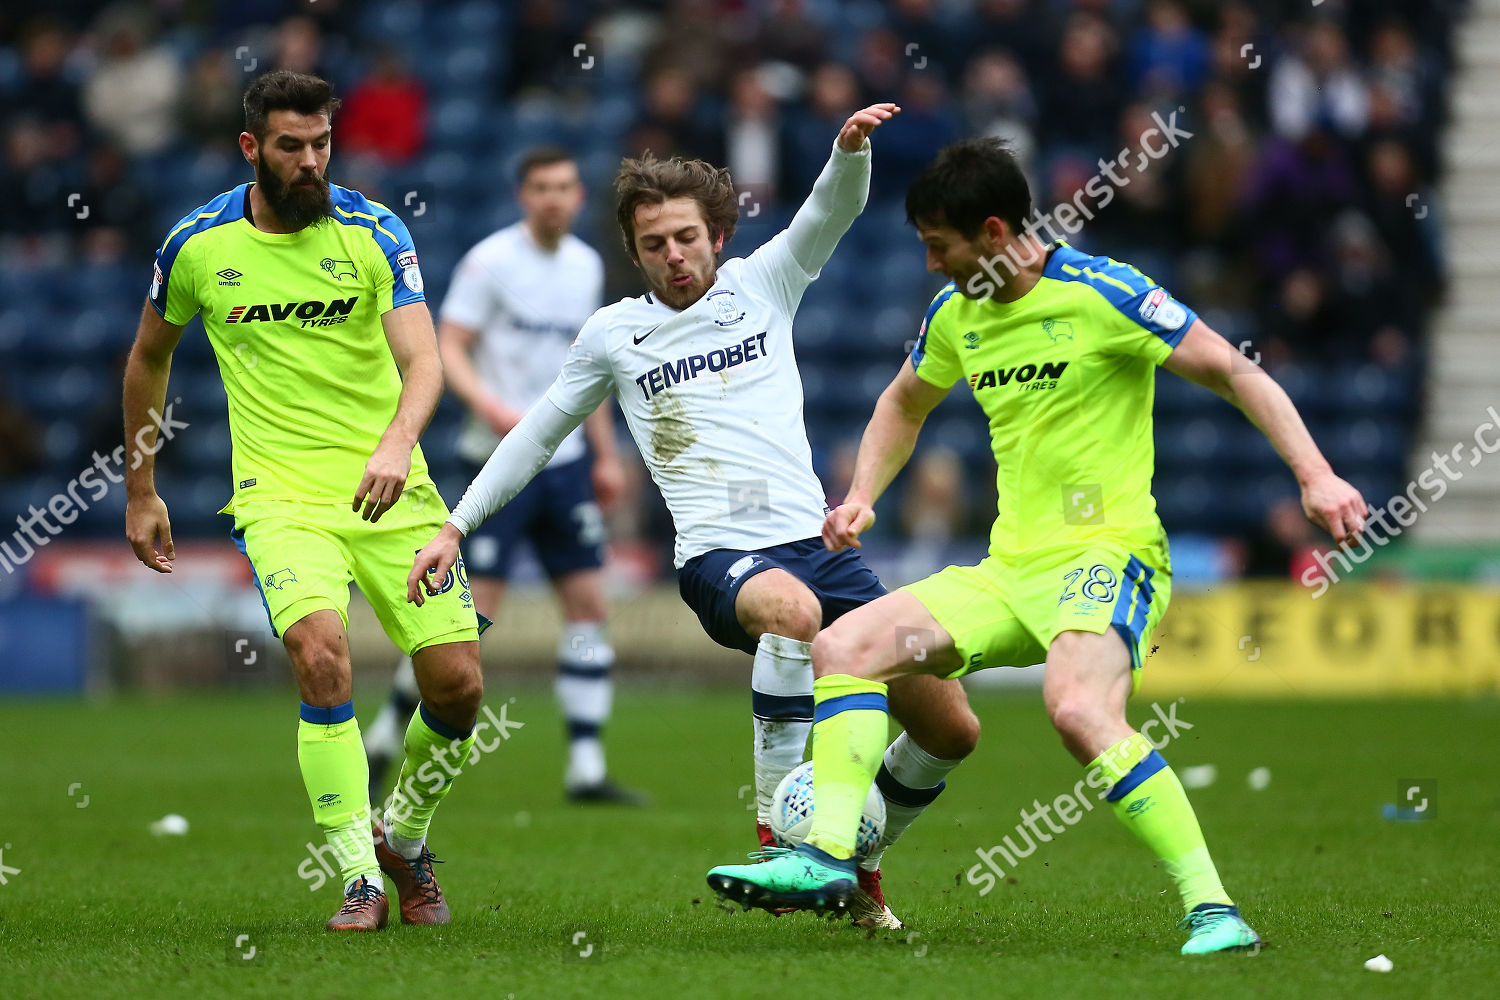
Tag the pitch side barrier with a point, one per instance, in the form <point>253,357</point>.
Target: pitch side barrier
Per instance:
<point>1273,639</point>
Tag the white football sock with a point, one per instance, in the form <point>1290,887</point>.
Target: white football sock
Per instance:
<point>405,846</point>
<point>909,779</point>
<point>781,687</point>
<point>585,691</point>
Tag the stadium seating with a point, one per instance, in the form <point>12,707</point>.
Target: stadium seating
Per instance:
<point>64,328</point>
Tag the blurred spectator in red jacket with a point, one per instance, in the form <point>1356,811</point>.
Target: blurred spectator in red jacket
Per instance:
<point>386,113</point>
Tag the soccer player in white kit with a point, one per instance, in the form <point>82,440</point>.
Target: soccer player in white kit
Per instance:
<point>703,369</point>
<point>516,301</point>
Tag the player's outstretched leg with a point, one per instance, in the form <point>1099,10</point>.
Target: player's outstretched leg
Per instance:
<point>1087,681</point>
<point>383,739</point>
<point>781,699</point>
<point>439,739</point>
<point>849,727</point>
<point>782,615</point>
<point>935,713</point>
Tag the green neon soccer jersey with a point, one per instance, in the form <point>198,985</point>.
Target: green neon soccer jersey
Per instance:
<point>294,321</point>
<point>1066,376</point>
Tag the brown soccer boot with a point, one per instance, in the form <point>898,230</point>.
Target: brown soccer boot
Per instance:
<point>365,908</point>
<point>420,896</point>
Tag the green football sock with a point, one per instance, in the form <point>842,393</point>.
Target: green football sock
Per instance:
<point>1150,801</point>
<point>850,723</point>
<point>435,753</point>
<point>332,758</point>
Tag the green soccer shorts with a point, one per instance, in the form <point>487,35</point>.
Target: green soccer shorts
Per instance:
<point>305,555</point>
<point>1006,612</point>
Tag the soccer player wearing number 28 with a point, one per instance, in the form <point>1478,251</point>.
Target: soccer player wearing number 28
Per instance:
<point>1060,349</point>
<point>311,296</point>
<point>702,367</point>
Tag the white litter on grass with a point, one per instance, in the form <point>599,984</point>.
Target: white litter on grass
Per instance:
<point>1380,964</point>
<point>170,825</point>
<point>1198,776</point>
<point>1259,779</point>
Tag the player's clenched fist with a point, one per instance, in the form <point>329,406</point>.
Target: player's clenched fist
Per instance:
<point>432,564</point>
<point>842,526</point>
<point>862,123</point>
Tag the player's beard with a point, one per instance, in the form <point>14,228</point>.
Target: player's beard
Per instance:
<point>679,297</point>
<point>296,205</point>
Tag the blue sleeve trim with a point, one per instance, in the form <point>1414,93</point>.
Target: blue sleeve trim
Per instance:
<point>227,207</point>
<point>327,716</point>
<point>778,707</point>
<point>1149,765</point>
<point>849,703</point>
<point>919,350</point>
<point>1134,296</point>
<point>390,234</point>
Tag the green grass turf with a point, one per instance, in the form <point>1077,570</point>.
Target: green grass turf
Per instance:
<point>101,908</point>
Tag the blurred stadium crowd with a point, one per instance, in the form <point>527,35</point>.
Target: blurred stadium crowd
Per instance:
<point>1295,217</point>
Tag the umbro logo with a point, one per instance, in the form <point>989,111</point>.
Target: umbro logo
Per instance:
<point>229,276</point>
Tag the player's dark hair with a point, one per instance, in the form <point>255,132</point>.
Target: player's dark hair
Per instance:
<point>283,90</point>
<point>646,180</point>
<point>542,156</point>
<point>969,181</point>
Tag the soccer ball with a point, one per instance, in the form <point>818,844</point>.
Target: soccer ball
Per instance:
<point>792,812</point>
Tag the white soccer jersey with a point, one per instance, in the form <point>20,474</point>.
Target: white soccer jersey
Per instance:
<point>710,393</point>
<point>713,399</point>
<point>526,304</point>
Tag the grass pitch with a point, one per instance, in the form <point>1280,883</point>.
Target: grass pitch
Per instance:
<point>553,901</point>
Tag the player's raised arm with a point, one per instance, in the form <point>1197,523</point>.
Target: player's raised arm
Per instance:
<point>146,374</point>
<point>884,449</point>
<point>1209,360</point>
<point>839,194</point>
<point>408,331</point>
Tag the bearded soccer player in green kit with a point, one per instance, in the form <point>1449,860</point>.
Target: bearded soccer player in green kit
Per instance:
<point>312,299</point>
<point>1060,349</point>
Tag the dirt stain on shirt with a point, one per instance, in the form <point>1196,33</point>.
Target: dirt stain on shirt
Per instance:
<point>672,432</point>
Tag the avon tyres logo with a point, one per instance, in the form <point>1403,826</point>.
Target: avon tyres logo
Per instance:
<point>1043,376</point>
<point>308,314</point>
